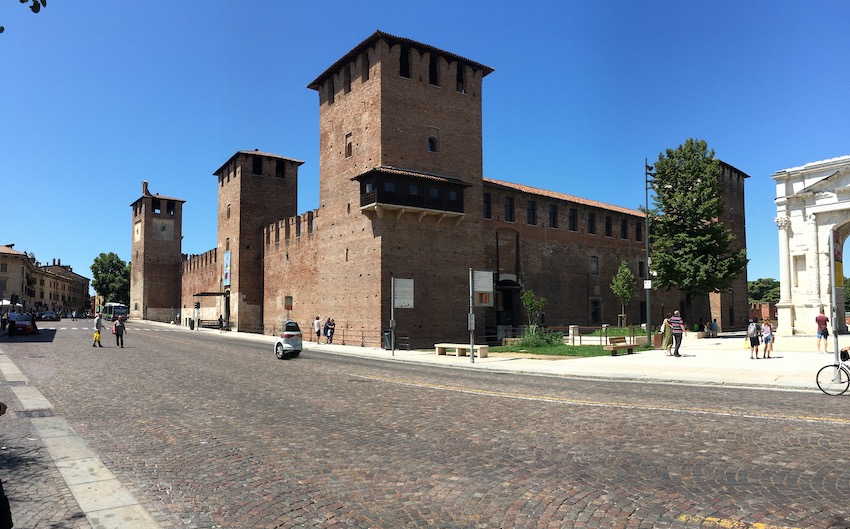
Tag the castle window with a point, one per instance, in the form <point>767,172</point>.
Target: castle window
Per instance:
<point>624,229</point>
<point>509,209</point>
<point>348,145</point>
<point>591,222</point>
<point>638,231</point>
<point>389,187</point>
<point>461,79</point>
<point>404,62</point>
<point>432,144</point>
<point>641,269</point>
<point>531,214</point>
<point>157,206</point>
<point>609,227</point>
<point>228,211</point>
<point>364,73</point>
<point>171,207</point>
<point>594,265</point>
<point>346,79</point>
<point>488,209</point>
<point>452,195</point>
<point>434,192</point>
<point>227,244</point>
<point>257,165</point>
<point>331,91</point>
<point>434,70</point>
<point>553,215</point>
<point>413,189</point>
<point>573,219</point>
<point>280,169</point>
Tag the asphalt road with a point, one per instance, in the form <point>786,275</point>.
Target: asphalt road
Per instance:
<point>209,430</point>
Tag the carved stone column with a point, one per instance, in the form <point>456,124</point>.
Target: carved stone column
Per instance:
<point>813,260</point>
<point>784,225</point>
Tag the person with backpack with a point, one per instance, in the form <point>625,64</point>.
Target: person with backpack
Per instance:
<point>753,335</point>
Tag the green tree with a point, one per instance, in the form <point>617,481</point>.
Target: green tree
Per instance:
<point>691,248</point>
<point>623,285</point>
<point>35,7</point>
<point>111,278</point>
<point>533,306</point>
<point>763,290</point>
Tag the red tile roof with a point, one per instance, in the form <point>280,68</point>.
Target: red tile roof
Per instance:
<point>560,196</point>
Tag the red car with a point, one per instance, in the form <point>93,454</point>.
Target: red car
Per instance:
<point>23,323</point>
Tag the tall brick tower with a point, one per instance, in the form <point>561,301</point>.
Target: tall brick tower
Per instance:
<point>156,256</point>
<point>401,187</point>
<point>731,308</point>
<point>254,189</point>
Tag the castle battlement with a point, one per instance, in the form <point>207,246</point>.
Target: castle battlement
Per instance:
<point>202,260</point>
<point>291,228</point>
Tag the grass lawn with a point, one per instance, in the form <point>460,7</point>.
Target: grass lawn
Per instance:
<point>555,350</point>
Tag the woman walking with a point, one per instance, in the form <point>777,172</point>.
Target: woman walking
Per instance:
<point>767,337</point>
<point>667,335</point>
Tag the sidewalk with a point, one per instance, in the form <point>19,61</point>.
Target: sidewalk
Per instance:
<point>705,361</point>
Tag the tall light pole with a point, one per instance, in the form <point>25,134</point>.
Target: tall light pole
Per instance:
<point>647,283</point>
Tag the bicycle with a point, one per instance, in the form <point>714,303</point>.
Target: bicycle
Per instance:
<point>834,379</point>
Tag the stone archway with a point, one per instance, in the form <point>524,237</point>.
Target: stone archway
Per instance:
<point>813,206</point>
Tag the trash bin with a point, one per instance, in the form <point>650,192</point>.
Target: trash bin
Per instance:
<point>191,324</point>
<point>388,340</point>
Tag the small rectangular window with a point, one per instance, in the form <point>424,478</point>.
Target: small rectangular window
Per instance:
<point>609,228</point>
<point>434,70</point>
<point>638,231</point>
<point>641,269</point>
<point>364,73</point>
<point>280,169</point>
<point>594,265</point>
<point>553,215</point>
<point>389,187</point>
<point>413,190</point>
<point>461,79</point>
<point>349,148</point>
<point>624,229</point>
<point>331,91</point>
<point>346,79</point>
<point>573,219</point>
<point>404,62</point>
<point>509,209</point>
<point>452,196</point>
<point>591,222</point>
<point>531,215</point>
<point>257,166</point>
<point>488,212</point>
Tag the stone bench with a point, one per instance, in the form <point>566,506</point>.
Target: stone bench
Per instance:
<point>461,349</point>
<point>618,343</point>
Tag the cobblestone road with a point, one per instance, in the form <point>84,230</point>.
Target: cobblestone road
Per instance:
<point>206,430</point>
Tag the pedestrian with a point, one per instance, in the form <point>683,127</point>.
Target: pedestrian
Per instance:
<point>678,329</point>
<point>3,321</point>
<point>220,323</point>
<point>325,328</point>
<point>98,324</point>
<point>34,326</point>
<point>667,335</point>
<point>317,328</point>
<point>714,327</point>
<point>331,326</point>
<point>823,331</point>
<point>5,509</point>
<point>753,335</point>
<point>118,329</point>
<point>12,324</point>
<point>73,315</point>
<point>767,337</point>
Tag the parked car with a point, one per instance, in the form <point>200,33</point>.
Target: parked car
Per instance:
<point>288,345</point>
<point>23,323</point>
<point>50,316</point>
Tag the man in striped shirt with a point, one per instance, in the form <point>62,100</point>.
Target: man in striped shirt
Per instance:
<point>678,328</point>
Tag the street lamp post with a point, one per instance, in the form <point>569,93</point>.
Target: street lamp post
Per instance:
<point>647,284</point>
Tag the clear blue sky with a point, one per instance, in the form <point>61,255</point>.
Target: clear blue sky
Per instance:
<point>97,96</point>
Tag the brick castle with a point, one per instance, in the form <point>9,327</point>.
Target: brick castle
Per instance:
<point>402,194</point>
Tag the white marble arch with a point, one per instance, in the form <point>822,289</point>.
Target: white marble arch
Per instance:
<point>811,201</point>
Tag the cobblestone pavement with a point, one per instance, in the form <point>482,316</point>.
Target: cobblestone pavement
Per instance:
<point>207,430</point>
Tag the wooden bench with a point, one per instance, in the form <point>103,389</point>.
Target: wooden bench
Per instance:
<point>618,343</point>
<point>461,349</point>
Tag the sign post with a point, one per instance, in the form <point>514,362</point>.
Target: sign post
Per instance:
<point>480,295</point>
